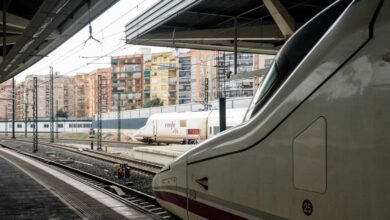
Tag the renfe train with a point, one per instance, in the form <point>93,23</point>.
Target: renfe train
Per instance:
<point>186,127</point>
<point>315,143</point>
<point>63,125</point>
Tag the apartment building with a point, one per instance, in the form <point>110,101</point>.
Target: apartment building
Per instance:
<point>106,86</point>
<point>127,80</point>
<point>203,65</point>
<point>147,85</point>
<point>163,77</point>
<point>82,94</point>
<point>20,101</point>
<point>5,102</point>
<point>184,72</point>
<point>63,94</point>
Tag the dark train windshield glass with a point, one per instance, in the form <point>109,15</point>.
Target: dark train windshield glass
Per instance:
<point>293,52</point>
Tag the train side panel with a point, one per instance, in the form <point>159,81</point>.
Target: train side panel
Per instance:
<point>179,130</point>
<point>328,159</point>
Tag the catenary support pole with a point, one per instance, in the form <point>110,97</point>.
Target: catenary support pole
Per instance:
<point>206,94</point>
<point>119,116</point>
<point>99,114</point>
<point>222,96</point>
<point>6,120</point>
<point>35,114</point>
<point>51,103</point>
<point>57,119</point>
<point>13,106</point>
<point>25,120</point>
<point>25,111</point>
<point>235,45</point>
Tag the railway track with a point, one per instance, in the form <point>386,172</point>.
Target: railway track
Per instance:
<point>131,197</point>
<point>138,165</point>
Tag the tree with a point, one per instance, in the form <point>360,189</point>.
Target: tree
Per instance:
<point>153,103</point>
<point>62,114</point>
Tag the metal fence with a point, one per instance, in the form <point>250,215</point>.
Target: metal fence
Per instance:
<point>242,102</point>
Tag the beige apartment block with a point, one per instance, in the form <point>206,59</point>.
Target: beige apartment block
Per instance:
<point>63,94</point>
<point>106,86</point>
<point>163,77</point>
<point>82,94</point>
<point>5,102</point>
<point>127,80</point>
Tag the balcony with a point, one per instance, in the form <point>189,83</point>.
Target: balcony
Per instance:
<point>172,95</point>
<point>172,88</point>
<point>172,80</point>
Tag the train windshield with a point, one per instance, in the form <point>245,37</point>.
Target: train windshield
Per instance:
<point>293,52</point>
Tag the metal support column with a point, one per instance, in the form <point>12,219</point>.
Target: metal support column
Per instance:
<point>6,120</point>
<point>57,119</point>
<point>119,117</point>
<point>5,6</point>
<point>99,115</point>
<point>222,92</point>
<point>13,106</point>
<point>25,111</point>
<point>25,119</point>
<point>35,115</point>
<point>206,94</point>
<point>235,45</point>
<point>51,106</point>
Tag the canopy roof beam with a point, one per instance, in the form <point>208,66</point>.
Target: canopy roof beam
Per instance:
<point>14,21</point>
<point>281,17</point>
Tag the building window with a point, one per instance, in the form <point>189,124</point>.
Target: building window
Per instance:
<point>268,63</point>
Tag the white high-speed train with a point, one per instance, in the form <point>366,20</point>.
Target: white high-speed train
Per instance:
<point>315,143</point>
<point>186,127</point>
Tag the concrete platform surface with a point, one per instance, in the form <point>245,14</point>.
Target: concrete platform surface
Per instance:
<point>163,154</point>
<point>32,190</point>
<point>21,197</point>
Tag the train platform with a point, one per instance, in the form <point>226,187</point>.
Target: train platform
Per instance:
<point>32,190</point>
<point>163,154</point>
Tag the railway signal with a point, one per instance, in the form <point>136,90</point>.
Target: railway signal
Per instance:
<point>123,170</point>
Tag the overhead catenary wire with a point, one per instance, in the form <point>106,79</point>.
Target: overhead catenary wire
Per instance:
<point>145,40</point>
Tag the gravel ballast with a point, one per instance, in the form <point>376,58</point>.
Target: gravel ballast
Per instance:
<point>138,181</point>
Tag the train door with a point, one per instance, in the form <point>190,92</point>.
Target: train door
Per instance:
<point>154,122</point>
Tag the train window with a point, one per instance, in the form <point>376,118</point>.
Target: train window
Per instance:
<point>46,125</point>
<point>32,126</point>
<point>193,131</point>
<point>19,125</point>
<point>60,125</point>
<point>216,129</point>
<point>293,52</point>
<point>211,130</point>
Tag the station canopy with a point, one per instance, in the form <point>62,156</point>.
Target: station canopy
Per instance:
<point>34,28</point>
<point>261,26</point>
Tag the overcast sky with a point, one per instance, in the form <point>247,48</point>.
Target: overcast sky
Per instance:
<point>107,28</point>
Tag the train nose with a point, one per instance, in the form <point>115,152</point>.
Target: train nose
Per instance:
<point>156,183</point>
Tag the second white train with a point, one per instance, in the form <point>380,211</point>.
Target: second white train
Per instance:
<point>186,127</point>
